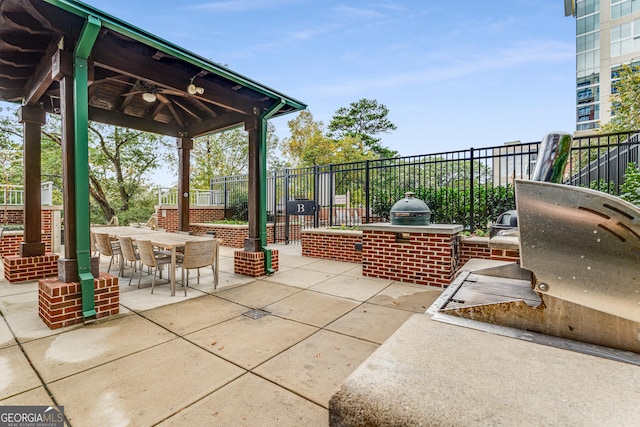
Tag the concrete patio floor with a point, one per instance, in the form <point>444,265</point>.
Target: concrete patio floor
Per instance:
<point>176,361</point>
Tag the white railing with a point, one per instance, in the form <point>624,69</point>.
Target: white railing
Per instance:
<point>13,195</point>
<point>197,197</point>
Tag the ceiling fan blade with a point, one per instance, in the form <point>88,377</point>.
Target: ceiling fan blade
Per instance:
<point>171,92</point>
<point>162,98</point>
<point>132,93</point>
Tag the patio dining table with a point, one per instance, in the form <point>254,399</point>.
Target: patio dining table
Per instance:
<point>163,239</point>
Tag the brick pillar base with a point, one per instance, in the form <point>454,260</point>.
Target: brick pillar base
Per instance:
<point>22,269</point>
<point>252,263</point>
<point>505,255</point>
<point>60,303</point>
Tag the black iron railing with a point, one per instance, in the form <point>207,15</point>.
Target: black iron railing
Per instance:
<point>469,187</point>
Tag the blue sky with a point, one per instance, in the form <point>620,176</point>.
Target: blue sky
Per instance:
<point>454,74</point>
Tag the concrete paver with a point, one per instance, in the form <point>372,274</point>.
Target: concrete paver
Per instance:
<point>312,308</point>
<point>20,311</point>
<point>324,265</point>
<point>258,293</point>
<point>192,315</point>
<point>315,367</point>
<point>36,396</point>
<point>357,288</point>
<point>251,401</point>
<point>17,375</point>
<point>413,298</point>
<point>250,342</point>
<point>370,322</point>
<point>156,362</point>
<point>80,349</point>
<point>143,388</point>
<point>17,288</point>
<point>300,277</point>
<point>6,336</point>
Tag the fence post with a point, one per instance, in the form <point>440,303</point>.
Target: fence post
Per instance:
<point>472,193</point>
<point>286,199</point>
<point>316,185</point>
<point>226,196</point>
<point>331,195</point>
<point>367,203</point>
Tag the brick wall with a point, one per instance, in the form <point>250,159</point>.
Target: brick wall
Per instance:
<point>505,255</point>
<point>474,247</point>
<point>17,269</point>
<point>10,242</point>
<point>233,236</point>
<point>425,259</point>
<point>11,215</point>
<point>337,245</point>
<point>229,235</point>
<point>252,263</point>
<point>168,215</point>
<point>60,304</point>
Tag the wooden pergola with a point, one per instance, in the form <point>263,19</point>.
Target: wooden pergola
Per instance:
<point>65,57</point>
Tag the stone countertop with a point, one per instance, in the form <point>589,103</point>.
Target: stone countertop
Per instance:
<point>431,228</point>
<point>510,242</point>
<point>433,373</point>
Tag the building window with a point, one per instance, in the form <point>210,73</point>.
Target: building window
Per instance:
<point>587,95</point>
<point>620,8</point>
<point>625,38</point>
<point>588,60</point>
<point>588,80</point>
<point>587,7</point>
<point>589,112</point>
<point>587,126</point>
<point>587,42</point>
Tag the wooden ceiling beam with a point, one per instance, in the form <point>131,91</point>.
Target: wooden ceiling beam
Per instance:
<point>155,72</point>
<point>124,120</point>
<point>11,20</point>
<point>19,60</point>
<point>175,115</point>
<point>33,11</point>
<point>217,124</point>
<point>54,64</point>
<point>187,110</point>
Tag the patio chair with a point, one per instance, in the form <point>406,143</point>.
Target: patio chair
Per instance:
<point>94,247</point>
<point>152,259</point>
<point>197,255</point>
<point>107,247</point>
<point>129,254</point>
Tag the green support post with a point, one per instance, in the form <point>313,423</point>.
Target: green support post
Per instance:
<point>81,146</point>
<point>263,183</point>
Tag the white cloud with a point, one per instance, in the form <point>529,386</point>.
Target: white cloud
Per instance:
<point>459,65</point>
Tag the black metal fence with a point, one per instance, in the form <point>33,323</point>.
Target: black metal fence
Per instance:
<point>469,187</point>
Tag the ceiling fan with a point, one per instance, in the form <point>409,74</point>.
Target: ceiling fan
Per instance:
<point>151,92</point>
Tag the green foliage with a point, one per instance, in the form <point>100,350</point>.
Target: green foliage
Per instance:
<point>230,221</point>
<point>603,185</point>
<point>120,161</point>
<point>364,119</point>
<point>226,154</point>
<point>630,188</point>
<point>309,146</point>
<point>453,205</point>
<point>625,103</point>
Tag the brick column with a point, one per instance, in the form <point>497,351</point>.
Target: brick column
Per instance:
<point>425,255</point>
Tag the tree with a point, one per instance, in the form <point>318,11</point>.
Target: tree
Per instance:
<point>625,102</point>
<point>309,146</point>
<point>119,161</point>
<point>227,153</point>
<point>364,119</point>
